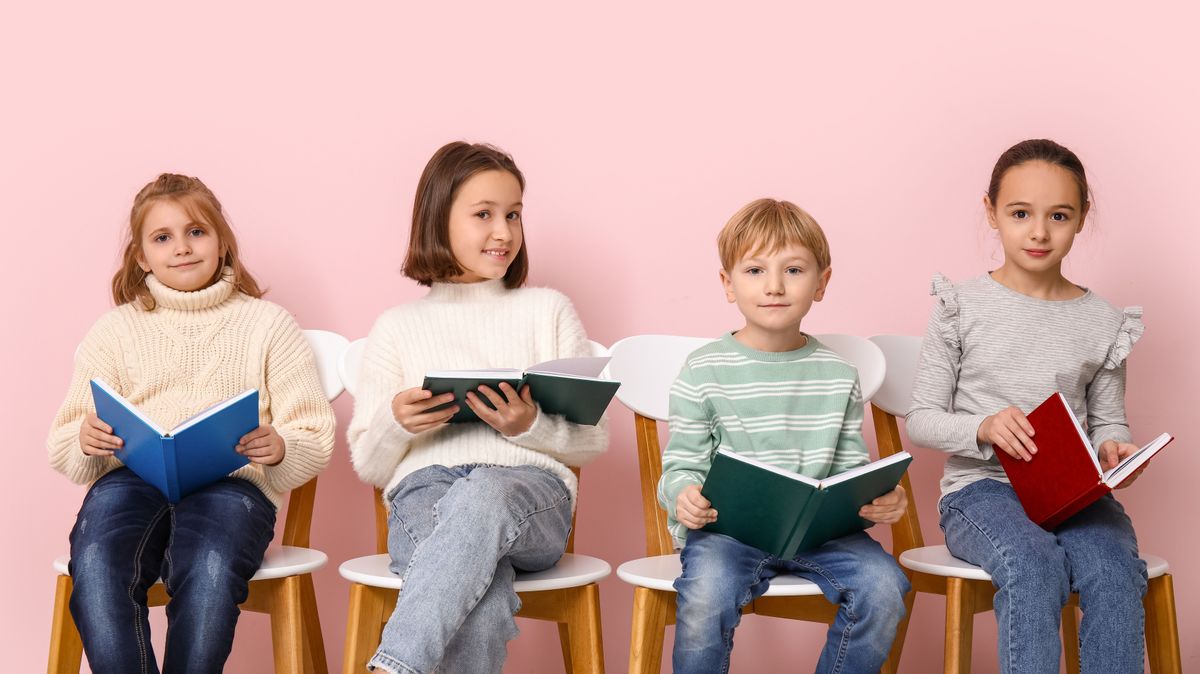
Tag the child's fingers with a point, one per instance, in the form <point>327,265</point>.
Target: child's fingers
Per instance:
<point>1010,444</point>
<point>438,417</point>
<point>102,440</point>
<point>496,399</point>
<point>98,424</point>
<point>418,406</point>
<point>697,499</point>
<point>527,395</point>
<point>510,393</point>
<point>412,395</point>
<point>1018,432</point>
<point>260,432</point>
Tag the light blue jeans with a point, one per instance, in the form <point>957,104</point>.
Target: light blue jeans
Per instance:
<point>1094,553</point>
<point>721,576</point>
<point>457,535</point>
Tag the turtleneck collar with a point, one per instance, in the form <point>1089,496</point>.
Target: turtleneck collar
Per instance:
<point>466,292</point>
<point>205,298</point>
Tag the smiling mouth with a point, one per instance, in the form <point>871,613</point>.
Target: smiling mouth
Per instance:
<point>1037,252</point>
<point>496,253</point>
<point>186,265</point>
<point>774,306</point>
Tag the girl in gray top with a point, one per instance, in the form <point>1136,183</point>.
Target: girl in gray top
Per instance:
<point>997,346</point>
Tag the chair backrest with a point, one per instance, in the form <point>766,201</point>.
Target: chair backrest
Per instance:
<point>327,349</point>
<point>902,352</point>
<point>647,365</point>
<point>349,368</point>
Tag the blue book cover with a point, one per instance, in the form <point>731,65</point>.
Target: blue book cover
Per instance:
<point>194,454</point>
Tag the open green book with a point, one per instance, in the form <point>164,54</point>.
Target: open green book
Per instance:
<point>783,513</point>
<point>571,387</point>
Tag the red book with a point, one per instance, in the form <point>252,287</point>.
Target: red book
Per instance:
<point>1065,476</point>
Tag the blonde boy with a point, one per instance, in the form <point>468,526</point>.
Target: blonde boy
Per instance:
<point>772,392</point>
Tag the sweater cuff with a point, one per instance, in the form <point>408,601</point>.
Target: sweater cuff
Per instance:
<point>302,460</point>
<point>539,434</point>
<point>965,428</point>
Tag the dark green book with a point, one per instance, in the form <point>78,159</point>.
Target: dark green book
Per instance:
<point>570,387</point>
<point>783,513</point>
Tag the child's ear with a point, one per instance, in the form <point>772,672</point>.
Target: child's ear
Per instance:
<point>1087,206</point>
<point>728,283</point>
<point>140,258</point>
<point>991,212</point>
<point>823,284</point>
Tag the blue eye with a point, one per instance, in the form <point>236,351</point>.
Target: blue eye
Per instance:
<point>160,238</point>
<point>196,231</point>
<point>754,271</point>
<point>795,271</point>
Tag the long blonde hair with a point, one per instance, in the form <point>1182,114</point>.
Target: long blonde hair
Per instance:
<point>129,283</point>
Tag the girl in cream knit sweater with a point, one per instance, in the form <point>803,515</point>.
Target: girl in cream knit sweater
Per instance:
<point>471,503</point>
<point>189,331</point>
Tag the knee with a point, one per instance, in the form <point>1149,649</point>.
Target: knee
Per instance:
<point>1037,568</point>
<point>210,577</point>
<point>881,590</point>
<point>1116,577</point>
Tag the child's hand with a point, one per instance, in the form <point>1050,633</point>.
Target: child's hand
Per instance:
<point>1009,431</point>
<point>262,445</point>
<point>411,410</point>
<point>887,509</point>
<point>96,438</point>
<point>514,414</point>
<point>692,510</point>
<point>1112,452</point>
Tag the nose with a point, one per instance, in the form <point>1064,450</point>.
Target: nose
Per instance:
<point>1040,231</point>
<point>183,245</point>
<point>774,284</point>
<point>502,230</point>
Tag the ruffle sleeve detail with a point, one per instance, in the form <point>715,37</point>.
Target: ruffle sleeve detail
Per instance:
<point>1127,335</point>
<point>947,318</point>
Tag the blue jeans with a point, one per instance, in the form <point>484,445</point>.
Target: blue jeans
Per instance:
<point>721,576</point>
<point>457,535</point>
<point>1094,553</point>
<point>206,548</point>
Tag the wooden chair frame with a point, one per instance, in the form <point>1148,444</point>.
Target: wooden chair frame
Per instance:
<point>575,609</point>
<point>966,597</point>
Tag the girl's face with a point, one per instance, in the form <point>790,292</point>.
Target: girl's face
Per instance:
<point>485,225</point>
<point>181,253</point>
<point>1037,214</point>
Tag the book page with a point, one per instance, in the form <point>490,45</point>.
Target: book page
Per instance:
<point>864,469</point>
<point>587,368</point>
<point>774,469</point>
<point>209,411</point>
<point>128,405</point>
<point>1118,474</point>
<point>486,373</point>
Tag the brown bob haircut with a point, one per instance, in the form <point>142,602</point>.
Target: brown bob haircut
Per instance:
<point>194,197</point>
<point>429,256</point>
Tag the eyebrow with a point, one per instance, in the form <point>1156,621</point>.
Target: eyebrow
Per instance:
<point>489,202</point>
<point>1026,204</point>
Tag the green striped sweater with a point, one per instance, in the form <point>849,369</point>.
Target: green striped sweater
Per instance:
<point>800,410</point>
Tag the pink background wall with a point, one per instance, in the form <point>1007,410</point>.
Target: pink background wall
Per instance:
<point>641,128</point>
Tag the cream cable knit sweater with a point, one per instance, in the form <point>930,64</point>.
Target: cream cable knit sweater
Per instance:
<point>193,350</point>
<point>467,326</point>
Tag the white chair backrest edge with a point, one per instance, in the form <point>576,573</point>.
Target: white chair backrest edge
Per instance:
<point>864,355</point>
<point>350,364</point>
<point>646,366</point>
<point>903,354</point>
<point>327,348</point>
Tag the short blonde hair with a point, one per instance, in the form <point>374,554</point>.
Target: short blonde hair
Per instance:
<point>768,225</point>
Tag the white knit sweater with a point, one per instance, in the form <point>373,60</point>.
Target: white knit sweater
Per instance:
<point>192,350</point>
<point>467,326</point>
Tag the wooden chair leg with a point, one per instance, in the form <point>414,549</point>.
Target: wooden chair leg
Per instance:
<point>960,622</point>
<point>893,662</point>
<point>649,625</point>
<point>1070,638</point>
<point>364,626</point>
<point>66,650</point>
<point>315,661</point>
<point>584,637</point>
<point>287,625</point>
<point>564,640</point>
<point>1162,627</point>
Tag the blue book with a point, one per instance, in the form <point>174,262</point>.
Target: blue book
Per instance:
<point>194,454</point>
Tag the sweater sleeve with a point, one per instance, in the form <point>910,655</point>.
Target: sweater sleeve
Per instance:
<point>851,450</point>
<point>690,447</point>
<point>930,421</point>
<point>377,441</point>
<point>98,357</point>
<point>299,411</point>
<point>1106,392</point>
<point>569,443</point>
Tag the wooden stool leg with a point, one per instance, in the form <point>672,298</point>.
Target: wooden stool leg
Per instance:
<point>584,635</point>
<point>564,640</point>
<point>649,624</point>
<point>1070,638</point>
<point>287,626</point>
<point>66,650</point>
<point>1162,627</point>
<point>960,622</point>
<point>364,626</point>
<point>315,661</point>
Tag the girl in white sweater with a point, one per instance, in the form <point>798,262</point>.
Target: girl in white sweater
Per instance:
<point>189,331</point>
<point>470,503</point>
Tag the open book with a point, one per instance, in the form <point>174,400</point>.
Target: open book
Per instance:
<point>783,513</point>
<point>194,454</point>
<point>1065,476</point>
<point>571,387</point>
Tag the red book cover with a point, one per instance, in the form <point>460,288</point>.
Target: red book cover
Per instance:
<point>1064,476</point>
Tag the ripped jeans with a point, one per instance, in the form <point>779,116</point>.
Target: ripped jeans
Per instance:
<point>206,548</point>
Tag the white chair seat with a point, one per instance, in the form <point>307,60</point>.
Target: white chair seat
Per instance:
<point>570,571</point>
<point>659,573</point>
<point>279,561</point>
<point>936,560</point>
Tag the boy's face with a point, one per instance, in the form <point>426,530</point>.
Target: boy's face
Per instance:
<point>774,291</point>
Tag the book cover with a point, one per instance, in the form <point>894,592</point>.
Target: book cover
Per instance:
<point>1065,475</point>
<point>570,387</point>
<point>194,454</point>
<point>783,513</point>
